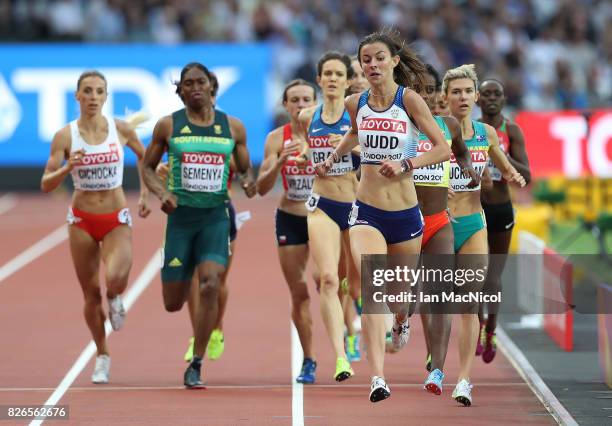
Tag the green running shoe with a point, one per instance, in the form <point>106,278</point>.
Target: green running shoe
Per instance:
<point>216,345</point>
<point>343,370</point>
<point>189,353</point>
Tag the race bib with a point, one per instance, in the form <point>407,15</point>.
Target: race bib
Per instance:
<point>459,180</point>
<point>202,171</point>
<point>353,214</point>
<point>99,171</point>
<point>298,181</point>
<point>495,173</point>
<point>434,174</point>
<point>313,201</point>
<point>320,149</point>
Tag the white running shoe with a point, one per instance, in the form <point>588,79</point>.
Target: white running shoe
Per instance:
<point>379,390</point>
<point>400,333</point>
<point>116,312</point>
<point>463,393</point>
<point>101,370</point>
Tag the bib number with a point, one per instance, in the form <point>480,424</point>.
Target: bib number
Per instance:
<point>353,214</point>
<point>313,201</point>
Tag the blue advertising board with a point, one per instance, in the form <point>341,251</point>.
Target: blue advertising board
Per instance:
<point>37,85</point>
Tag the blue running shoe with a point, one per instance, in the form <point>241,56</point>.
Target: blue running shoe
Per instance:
<point>433,383</point>
<point>351,344</point>
<point>307,375</point>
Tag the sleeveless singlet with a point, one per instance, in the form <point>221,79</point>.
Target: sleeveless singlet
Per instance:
<point>297,182</point>
<point>386,135</point>
<point>318,142</point>
<point>199,160</point>
<point>504,144</point>
<point>101,167</point>
<point>479,147</point>
<point>435,174</point>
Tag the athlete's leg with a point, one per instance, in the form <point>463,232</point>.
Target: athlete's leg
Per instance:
<point>474,249</point>
<point>223,288</point>
<point>499,243</point>
<point>439,324</point>
<point>324,236</point>
<point>368,240</point>
<point>293,261</point>
<point>117,257</point>
<point>209,273</point>
<point>86,259</point>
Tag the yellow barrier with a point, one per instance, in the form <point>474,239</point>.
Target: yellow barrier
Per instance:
<point>534,219</point>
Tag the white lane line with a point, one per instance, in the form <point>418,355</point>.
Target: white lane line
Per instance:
<point>297,389</point>
<point>533,379</point>
<point>31,253</point>
<point>142,282</point>
<point>7,202</point>
<point>241,387</point>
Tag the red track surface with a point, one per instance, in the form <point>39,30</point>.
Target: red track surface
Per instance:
<point>43,334</point>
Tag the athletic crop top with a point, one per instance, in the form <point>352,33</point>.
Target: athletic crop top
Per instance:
<point>386,135</point>
<point>504,144</point>
<point>101,167</point>
<point>318,142</point>
<point>478,146</point>
<point>297,182</point>
<point>435,174</point>
<point>199,160</point>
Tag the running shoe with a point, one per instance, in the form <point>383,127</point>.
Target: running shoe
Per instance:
<point>351,344</point>
<point>428,362</point>
<point>481,340</point>
<point>463,393</point>
<point>400,333</point>
<point>192,375</point>
<point>116,312</point>
<point>490,348</point>
<point>358,306</point>
<point>101,370</point>
<point>189,354</point>
<point>433,383</point>
<point>343,370</point>
<point>379,390</point>
<point>307,375</point>
<point>216,345</point>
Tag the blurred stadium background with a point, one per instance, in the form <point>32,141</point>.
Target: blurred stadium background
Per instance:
<point>553,56</point>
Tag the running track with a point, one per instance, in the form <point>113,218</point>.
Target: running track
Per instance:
<point>42,333</point>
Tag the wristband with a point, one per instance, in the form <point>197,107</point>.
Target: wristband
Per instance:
<point>335,156</point>
<point>406,165</point>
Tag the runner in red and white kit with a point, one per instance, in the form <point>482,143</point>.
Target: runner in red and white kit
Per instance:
<point>90,149</point>
<point>497,204</point>
<point>282,145</point>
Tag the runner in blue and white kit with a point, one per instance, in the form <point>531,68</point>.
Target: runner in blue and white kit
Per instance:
<point>385,218</point>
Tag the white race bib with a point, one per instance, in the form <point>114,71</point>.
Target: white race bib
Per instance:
<point>202,171</point>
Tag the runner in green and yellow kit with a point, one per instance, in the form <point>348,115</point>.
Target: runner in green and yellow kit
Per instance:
<point>200,141</point>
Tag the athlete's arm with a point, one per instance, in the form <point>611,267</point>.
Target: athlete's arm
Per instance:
<point>304,118</point>
<point>500,160</point>
<point>518,153</point>
<point>461,151</point>
<point>242,158</point>
<point>55,172</point>
<point>128,134</point>
<point>426,123</point>
<point>349,141</point>
<point>159,142</point>
<point>275,157</point>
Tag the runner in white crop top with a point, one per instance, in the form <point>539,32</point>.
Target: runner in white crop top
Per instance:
<point>91,150</point>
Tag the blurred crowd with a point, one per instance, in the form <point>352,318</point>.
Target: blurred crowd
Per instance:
<point>550,54</point>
